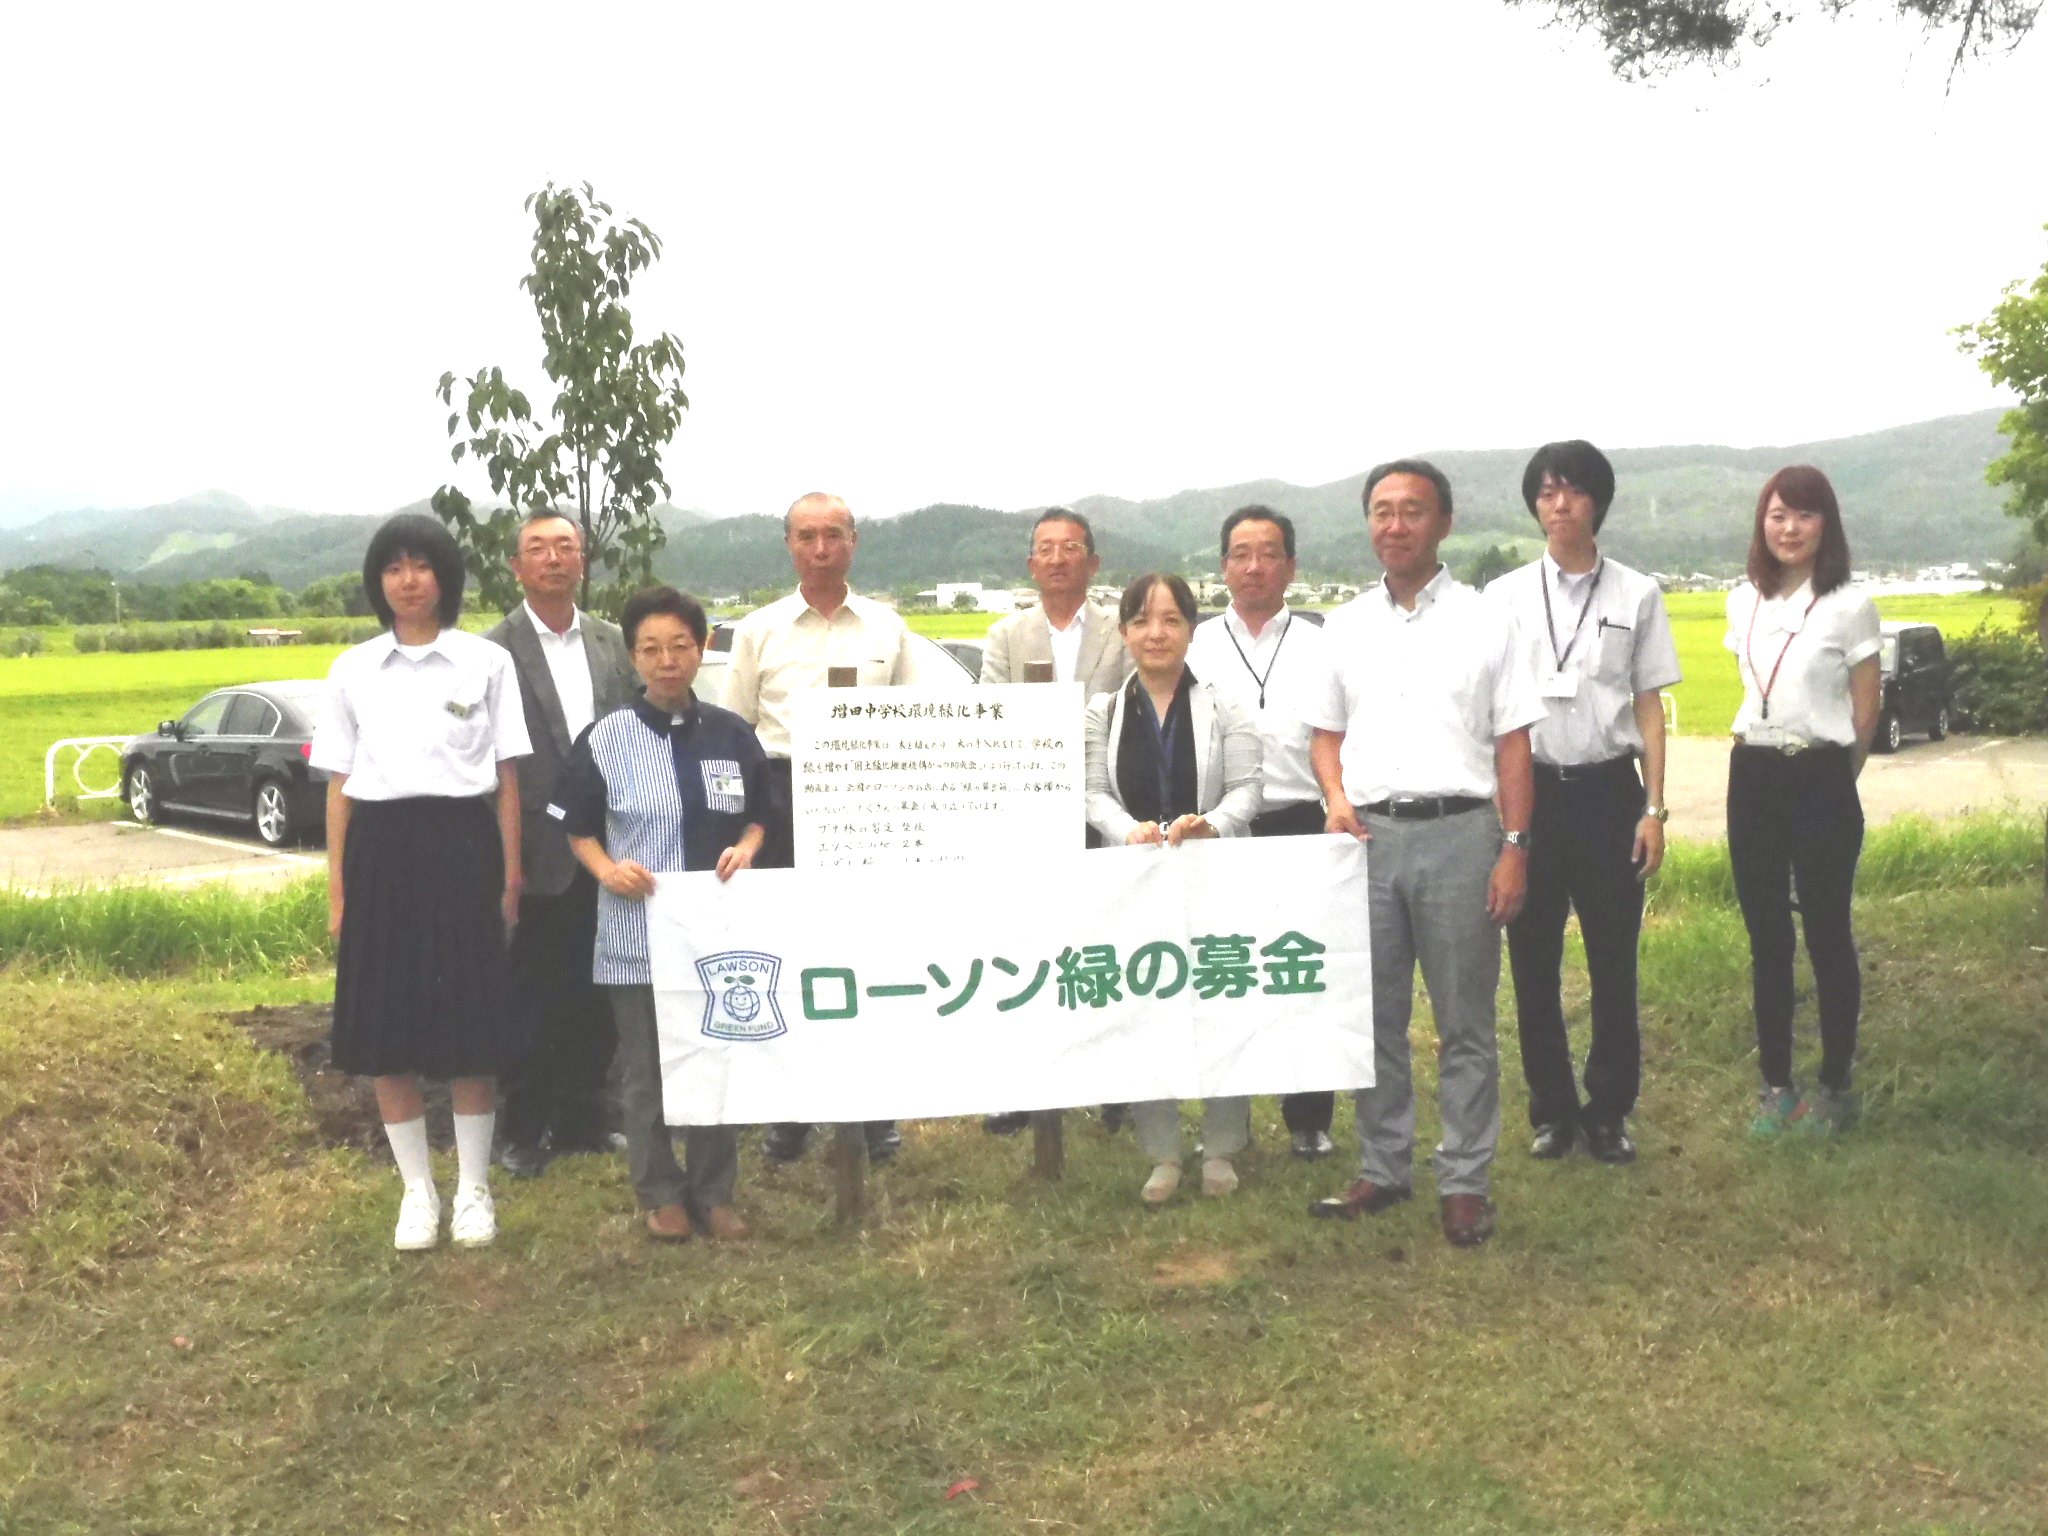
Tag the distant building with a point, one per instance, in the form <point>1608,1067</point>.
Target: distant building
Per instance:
<point>946,597</point>
<point>276,636</point>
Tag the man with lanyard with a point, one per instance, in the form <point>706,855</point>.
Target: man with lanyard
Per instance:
<point>572,669</point>
<point>793,645</point>
<point>1270,660</point>
<point>1600,641</point>
<point>1076,638</point>
<point>1424,719</point>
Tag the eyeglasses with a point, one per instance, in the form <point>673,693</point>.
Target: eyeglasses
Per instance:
<point>680,651</point>
<point>1073,549</point>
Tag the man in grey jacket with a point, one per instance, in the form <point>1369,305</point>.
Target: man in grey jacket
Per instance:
<point>1077,637</point>
<point>573,670</point>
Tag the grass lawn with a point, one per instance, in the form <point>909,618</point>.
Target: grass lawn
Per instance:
<point>206,1330</point>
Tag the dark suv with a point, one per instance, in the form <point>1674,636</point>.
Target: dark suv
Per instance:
<point>1917,689</point>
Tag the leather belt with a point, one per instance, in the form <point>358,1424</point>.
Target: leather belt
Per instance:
<point>1423,807</point>
<point>1790,746</point>
<point>1565,773</point>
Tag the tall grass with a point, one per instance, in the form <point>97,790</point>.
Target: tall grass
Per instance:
<point>149,931</point>
<point>1901,857</point>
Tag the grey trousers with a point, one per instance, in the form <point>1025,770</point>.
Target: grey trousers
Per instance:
<point>710,1152</point>
<point>1428,891</point>
<point>1226,1127</point>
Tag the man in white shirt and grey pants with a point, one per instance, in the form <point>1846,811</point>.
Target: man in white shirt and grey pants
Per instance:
<point>1424,720</point>
<point>1600,641</point>
<point>1270,659</point>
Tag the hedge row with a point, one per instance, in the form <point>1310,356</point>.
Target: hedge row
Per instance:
<point>216,636</point>
<point>2001,681</point>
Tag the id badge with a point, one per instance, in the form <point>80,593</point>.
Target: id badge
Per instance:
<point>1560,685</point>
<point>725,788</point>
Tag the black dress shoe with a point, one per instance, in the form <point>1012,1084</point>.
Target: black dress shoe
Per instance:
<point>1554,1140</point>
<point>1607,1142</point>
<point>1310,1145</point>
<point>1363,1198</point>
<point>1006,1125</point>
<point>598,1143</point>
<point>785,1143</point>
<point>522,1161</point>
<point>884,1141</point>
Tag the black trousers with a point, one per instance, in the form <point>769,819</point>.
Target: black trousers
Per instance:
<point>569,1038</point>
<point>778,851</point>
<point>1300,1111</point>
<point>1798,820</point>
<point>1581,858</point>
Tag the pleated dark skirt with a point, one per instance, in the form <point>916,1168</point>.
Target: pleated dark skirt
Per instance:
<point>421,983</point>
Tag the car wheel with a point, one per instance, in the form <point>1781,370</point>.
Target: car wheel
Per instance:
<point>1890,734</point>
<point>1940,727</point>
<point>273,813</point>
<point>141,795</point>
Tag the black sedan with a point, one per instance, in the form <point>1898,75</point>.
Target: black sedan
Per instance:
<point>239,755</point>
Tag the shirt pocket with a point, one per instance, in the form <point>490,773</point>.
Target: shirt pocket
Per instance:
<point>466,717</point>
<point>725,790</point>
<point>874,671</point>
<point>1611,652</point>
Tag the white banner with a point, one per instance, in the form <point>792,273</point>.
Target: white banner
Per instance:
<point>1237,966</point>
<point>924,776</point>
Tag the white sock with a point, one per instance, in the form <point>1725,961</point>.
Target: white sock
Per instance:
<point>408,1141</point>
<point>473,1147</point>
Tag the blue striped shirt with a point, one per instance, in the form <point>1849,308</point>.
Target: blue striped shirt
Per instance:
<point>669,792</point>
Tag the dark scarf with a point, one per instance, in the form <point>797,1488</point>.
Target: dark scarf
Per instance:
<point>1155,785</point>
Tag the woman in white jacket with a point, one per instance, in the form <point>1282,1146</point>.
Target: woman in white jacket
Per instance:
<point>1170,759</point>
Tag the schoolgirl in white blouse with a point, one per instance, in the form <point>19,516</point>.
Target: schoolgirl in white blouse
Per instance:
<point>417,733</point>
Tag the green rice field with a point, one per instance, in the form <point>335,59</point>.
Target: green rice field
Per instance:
<point>44,698</point>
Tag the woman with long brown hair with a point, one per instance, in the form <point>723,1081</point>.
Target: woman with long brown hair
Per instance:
<point>1806,647</point>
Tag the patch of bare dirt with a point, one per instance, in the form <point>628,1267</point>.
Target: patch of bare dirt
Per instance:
<point>1190,1268</point>
<point>344,1107</point>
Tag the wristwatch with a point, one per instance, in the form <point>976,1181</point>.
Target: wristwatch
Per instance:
<point>1516,840</point>
<point>1661,813</point>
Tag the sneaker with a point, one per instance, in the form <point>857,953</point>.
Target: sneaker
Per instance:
<point>1218,1177</point>
<point>475,1222</point>
<point>1824,1112</point>
<point>1775,1108</point>
<point>419,1217</point>
<point>1163,1184</point>
<point>1608,1141</point>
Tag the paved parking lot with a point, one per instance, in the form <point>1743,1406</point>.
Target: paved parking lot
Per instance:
<point>1947,778</point>
<point>77,854</point>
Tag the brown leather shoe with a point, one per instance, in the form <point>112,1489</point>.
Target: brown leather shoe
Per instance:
<point>725,1224</point>
<point>1468,1219</point>
<point>668,1224</point>
<point>1363,1198</point>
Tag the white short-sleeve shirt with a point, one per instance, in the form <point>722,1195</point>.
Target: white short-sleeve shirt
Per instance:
<point>1603,638</point>
<point>1422,694</point>
<point>789,647</point>
<point>1811,644</point>
<point>1278,677</point>
<point>408,720</point>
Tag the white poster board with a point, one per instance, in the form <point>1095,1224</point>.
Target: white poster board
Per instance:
<point>886,776</point>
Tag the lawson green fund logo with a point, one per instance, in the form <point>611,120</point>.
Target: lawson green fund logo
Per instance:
<point>739,995</point>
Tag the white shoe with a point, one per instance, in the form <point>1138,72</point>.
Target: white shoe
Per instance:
<point>419,1217</point>
<point>1161,1186</point>
<point>476,1219</point>
<point>1218,1177</point>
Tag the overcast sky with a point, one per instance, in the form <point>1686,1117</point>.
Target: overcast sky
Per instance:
<point>1006,257</point>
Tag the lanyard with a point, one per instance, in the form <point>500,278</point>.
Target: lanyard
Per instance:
<point>1270,665</point>
<point>1750,656</point>
<point>1550,624</point>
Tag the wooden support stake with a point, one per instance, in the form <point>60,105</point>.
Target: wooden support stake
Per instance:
<point>1049,1144</point>
<point>849,1142</point>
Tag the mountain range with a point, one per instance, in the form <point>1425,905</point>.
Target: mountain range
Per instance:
<point>1912,496</point>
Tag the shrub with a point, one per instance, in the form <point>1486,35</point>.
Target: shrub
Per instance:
<point>24,642</point>
<point>2001,681</point>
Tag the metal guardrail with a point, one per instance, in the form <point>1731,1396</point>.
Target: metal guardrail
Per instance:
<point>84,747</point>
